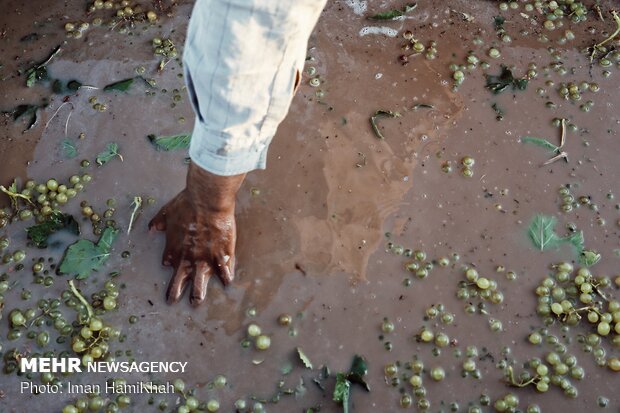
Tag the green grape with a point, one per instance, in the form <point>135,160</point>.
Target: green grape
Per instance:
<point>263,342</point>
<point>109,303</point>
<point>17,318</point>
<point>192,403</point>
<point>415,381</point>
<point>213,405</point>
<point>438,373</point>
<point>179,385</point>
<point>254,330</point>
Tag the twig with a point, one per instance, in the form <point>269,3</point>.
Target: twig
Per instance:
<point>56,112</point>
<point>378,114</point>
<point>67,122</point>
<point>14,195</point>
<point>137,203</point>
<point>80,297</point>
<point>563,136</point>
<point>597,8</point>
<point>608,39</point>
<point>561,155</point>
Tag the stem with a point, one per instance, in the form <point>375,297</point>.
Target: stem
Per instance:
<point>557,157</point>
<point>563,135</point>
<point>14,196</point>
<point>81,298</point>
<point>610,38</point>
<point>137,203</point>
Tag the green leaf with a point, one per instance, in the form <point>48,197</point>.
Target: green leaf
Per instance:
<point>324,374</point>
<point>169,143</point>
<point>379,114</point>
<point>83,257</point>
<point>27,111</point>
<point>542,232</point>
<point>576,240</point>
<point>499,83</point>
<point>304,359</point>
<point>55,222</point>
<point>394,14</point>
<point>498,22</point>
<point>300,389</point>
<point>358,371</point>
<point>286,368</point>
<point>38,72</point>
<point>68,148</point>
<point>74,85</point>
<point>543,143</point>
<point>120,86</point>
<point>342,391</point>
<point>589,257</point>
<point>111,150</point>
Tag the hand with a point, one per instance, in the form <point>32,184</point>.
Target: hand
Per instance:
<point>200,233</point>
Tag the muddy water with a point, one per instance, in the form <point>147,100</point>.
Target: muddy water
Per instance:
<point>312,226</point>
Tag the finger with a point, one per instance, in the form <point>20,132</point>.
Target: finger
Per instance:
<point>159,221</point>
<point>226,269</point>
<point>167,257</point>
<point>179,282</point>
<point>199,286</point>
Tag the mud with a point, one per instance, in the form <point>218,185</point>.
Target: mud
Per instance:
<point>312,226</point>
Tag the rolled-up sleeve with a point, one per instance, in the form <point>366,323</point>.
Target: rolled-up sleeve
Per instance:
<point>240,62</point>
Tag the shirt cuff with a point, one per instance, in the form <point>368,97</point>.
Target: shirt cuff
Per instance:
<point>205,150</point>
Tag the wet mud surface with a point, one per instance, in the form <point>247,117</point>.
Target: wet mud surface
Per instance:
<point>321,230</point>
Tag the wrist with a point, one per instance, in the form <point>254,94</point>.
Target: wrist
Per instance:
<point>211,192</point>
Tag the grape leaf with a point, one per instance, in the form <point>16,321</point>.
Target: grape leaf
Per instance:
<point>55,222</point>
<point>83,257</point>
<point>358,371</point>
<point>120,86</point>
<point>68,148</point>
<point>393,14</point>
<point>304,359</point>
<point>540,142</point>
<point>499,83</point>
<point>589,258</point>
<point>542,232</point>
<point>111,150</point>
<point>38,72</point>
<point>342,391</point>
<point>169,143</point>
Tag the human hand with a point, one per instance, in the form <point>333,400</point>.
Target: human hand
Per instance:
<point>200,233</point>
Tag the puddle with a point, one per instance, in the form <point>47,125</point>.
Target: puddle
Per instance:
<point>312,227</point>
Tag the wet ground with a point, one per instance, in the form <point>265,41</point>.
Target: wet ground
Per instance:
<point>321,230</point>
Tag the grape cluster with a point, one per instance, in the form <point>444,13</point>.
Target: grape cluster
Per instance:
<point>570,296</point>
<point>476,286</point>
